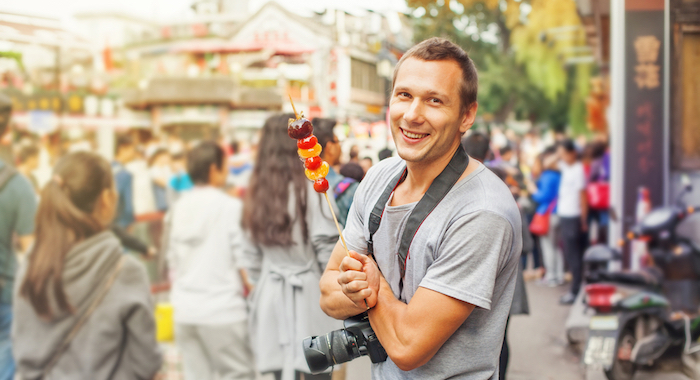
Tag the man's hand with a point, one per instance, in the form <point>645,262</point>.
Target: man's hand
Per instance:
<point>359,279</point>
<point>334,300</point>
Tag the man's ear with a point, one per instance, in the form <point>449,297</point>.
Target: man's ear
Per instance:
<point>468,118</point>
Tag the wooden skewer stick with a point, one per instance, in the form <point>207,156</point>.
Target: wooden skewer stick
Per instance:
<point>337,225</point>
<point>296,115</point>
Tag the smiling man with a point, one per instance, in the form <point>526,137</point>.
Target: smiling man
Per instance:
<point>439,311</point>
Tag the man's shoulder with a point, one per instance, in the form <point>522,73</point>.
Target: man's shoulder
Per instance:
<point>483,192</point>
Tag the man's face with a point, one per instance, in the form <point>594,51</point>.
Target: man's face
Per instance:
<point>425,111</point>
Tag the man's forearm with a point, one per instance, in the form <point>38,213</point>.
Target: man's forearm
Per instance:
<point>333,301</point>
<point>388,320</point>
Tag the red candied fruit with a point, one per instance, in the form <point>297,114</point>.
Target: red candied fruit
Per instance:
<point>321,185</point>
<point>300,129</point>
<point>307,143</point>
<point>313,163</point>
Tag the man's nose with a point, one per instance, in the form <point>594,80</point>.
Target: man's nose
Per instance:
<point>414,114</point>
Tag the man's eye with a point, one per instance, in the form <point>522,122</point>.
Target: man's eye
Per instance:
<point>404,94</point>
<point>435,100</point>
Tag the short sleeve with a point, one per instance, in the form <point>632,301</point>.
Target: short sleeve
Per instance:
<point>26,206</point>
<point>472,253</point>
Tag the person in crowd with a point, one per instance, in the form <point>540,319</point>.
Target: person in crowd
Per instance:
<point>17,209</point>
<point>83,310</point>
<point>240,169</point>
<point>142,183</point>
<point>204,248</point>
<point>599,172</point>
<point>366,163</point>
<point>160,172</point>
<point>180,181</point>
<point>384,154</point>
<point>572,210</point>
<point>343,187</point>
<point>446,317</point>
<point>479,150</point>
<point>125,152</point>
<point>477,144</point>
<point>545,193</point>
<point>27,162</point>
<point>290,235</point>
<point>354,154</point>
<point>352,170</point>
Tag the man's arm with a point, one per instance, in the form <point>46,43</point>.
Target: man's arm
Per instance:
<point>584,210</point>
<point>341,302</point>
<point>410,334</point>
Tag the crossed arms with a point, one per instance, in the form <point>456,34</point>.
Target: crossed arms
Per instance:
<point>410,333</point>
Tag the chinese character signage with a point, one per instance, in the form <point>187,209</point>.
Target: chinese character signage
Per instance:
<point>644,123</point>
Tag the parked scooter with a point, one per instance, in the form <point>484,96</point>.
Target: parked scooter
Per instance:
<point>641,315</point>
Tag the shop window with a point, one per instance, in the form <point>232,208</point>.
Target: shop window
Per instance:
<point>364,76</point>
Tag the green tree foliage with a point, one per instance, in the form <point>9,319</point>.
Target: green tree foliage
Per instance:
<point>521,49</point>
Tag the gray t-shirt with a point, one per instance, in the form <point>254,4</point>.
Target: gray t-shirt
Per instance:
<point>467,248</point>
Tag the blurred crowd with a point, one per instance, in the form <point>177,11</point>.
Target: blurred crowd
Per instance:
<point>241,239</point>
<point>562,188</point>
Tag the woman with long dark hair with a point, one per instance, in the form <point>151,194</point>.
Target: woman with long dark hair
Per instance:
<point>82,308</point>
<point>291,235</point>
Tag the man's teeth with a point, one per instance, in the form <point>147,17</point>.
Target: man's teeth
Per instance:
<point>414,135</point>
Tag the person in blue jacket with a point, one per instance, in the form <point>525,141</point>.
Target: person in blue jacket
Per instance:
<point>545,195</point>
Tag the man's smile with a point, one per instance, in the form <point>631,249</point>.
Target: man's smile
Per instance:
<point>413,136</point>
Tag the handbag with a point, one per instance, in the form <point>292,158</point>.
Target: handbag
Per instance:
<point>83,318</point>
<point>598,194</point>
<point>540,222</point>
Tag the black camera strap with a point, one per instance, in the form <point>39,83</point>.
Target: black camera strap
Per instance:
<point>436,192</point>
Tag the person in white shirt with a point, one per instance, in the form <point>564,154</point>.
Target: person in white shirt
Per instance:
<point>204,250</point>
<point>572,209</point>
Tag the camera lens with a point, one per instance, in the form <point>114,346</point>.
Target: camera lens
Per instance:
<point>323,351</point>
<point>316,353</point>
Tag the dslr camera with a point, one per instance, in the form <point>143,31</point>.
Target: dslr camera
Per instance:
<point>340,346</point>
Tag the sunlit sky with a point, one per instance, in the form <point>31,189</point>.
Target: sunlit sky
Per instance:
<point>163,10</point>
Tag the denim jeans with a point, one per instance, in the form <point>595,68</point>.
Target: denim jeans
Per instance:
<point>7,364</point>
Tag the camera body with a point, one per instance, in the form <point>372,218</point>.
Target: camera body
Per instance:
<point>340,346</point>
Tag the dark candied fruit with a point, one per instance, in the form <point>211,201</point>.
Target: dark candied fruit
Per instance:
<point>307,142</point>
<point>313,163</point>
<point>300,129</point>
<point>321,185</point>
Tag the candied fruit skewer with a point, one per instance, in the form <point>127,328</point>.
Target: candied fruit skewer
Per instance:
<point>302,130</point>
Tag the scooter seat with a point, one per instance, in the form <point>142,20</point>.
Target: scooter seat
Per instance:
<point>628,278</point>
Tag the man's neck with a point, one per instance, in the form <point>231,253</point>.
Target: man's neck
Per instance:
<point>421,175</point>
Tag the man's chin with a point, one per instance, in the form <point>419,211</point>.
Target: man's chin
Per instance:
<point>409,155</point>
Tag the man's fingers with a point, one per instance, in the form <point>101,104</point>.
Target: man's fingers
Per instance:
<point>351,275</point>
<point>350,263</point>
<point>356,286</point>
<point>361,258</point>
